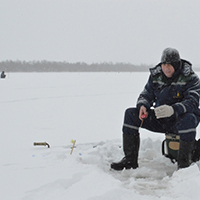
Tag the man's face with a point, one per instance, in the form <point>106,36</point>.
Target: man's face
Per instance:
<point>168,70</point>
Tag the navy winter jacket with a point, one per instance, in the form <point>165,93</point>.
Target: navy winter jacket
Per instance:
<point>182,91</point>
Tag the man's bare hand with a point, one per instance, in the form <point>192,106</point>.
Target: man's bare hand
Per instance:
<point>143,113</point>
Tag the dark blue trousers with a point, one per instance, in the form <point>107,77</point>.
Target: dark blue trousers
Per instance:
<point>185,125</point>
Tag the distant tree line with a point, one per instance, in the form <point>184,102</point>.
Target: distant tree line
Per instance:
<point>49,66</point>
<point>52,66</point>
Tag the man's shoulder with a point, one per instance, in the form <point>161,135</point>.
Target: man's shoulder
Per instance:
<point>186,68</point>
<point>154,71</point>
<point>157,75</point>
<point>188,73</point>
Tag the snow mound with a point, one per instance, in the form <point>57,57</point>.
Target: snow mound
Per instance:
<point>87,174</point>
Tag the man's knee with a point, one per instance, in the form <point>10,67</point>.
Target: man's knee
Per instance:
<point>131,121</point>
<point>131,113</point>
<point>188,120</point>
<point>187,127</point>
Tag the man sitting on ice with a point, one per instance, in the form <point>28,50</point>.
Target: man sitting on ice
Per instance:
<point>168,104</point>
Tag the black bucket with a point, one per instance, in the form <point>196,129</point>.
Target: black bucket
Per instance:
<point>170,146</point>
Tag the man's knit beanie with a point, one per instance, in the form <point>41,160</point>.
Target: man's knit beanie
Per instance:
<point>171,56</point>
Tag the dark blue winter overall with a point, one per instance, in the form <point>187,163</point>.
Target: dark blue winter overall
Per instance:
<point>182,92</point>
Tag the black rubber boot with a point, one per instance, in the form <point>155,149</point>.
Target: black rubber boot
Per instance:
<point>131,145</point>
<point>185,154</point>
<point>196,151</point>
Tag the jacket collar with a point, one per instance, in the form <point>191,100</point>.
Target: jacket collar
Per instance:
<point>185,69</point>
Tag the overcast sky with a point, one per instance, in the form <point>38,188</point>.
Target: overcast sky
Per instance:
<point>134,31</point>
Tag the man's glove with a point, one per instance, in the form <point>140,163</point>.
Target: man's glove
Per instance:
<point>163,111</point>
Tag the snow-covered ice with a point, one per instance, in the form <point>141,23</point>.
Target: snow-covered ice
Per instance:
<point>88,108</point>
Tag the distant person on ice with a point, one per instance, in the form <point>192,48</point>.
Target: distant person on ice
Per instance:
<point>3,74</point>
<point>168,104</point>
